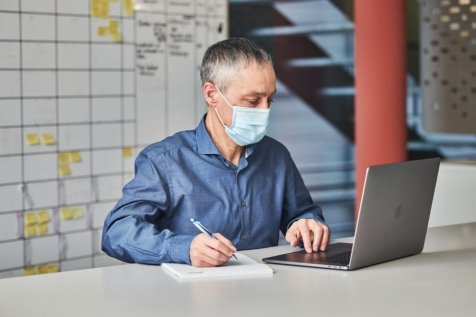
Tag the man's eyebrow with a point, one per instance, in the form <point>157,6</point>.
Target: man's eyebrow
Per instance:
<point>257,93</point>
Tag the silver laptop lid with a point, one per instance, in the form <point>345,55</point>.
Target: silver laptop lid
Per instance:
<point>394,211</point>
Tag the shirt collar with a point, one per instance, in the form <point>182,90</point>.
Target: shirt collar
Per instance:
<point>205,144</point>
<point>250,149</point>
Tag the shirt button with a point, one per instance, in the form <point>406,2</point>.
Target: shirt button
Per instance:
<point>245,237</point>
<point>243,203</point>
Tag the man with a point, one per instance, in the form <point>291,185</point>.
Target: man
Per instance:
<point>237,182</point>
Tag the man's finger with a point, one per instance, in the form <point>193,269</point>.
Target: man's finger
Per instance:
<point>306,239</point>
<point>220,247</point>
<point>325,238</point>
<point>292,235</point>
<point>202,255</point>
<point>317,232</point>
<point>222,238</point>
<point>216,257</point>
<point>207,260</point>
<point>207,253</point>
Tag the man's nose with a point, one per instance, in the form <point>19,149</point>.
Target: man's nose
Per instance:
<point>265,104</point>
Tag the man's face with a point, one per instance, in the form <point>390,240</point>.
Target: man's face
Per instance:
<point>252,87</point>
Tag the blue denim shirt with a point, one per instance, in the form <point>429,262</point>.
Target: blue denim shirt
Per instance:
<point>185,176</point>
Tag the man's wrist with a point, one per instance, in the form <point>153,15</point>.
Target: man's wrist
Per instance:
<point>179,250</point>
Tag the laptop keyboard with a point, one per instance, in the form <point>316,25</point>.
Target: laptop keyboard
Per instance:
<point>340,258</point>
<point>336,254</point>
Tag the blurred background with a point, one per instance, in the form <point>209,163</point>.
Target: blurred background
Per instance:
<point>312,43</point>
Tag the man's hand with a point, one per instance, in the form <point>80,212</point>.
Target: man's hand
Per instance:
<point>314,234</point>
<point>206,251</point>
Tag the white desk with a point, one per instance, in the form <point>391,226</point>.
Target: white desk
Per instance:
<point>439,282</point>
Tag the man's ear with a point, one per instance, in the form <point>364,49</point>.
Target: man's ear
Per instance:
<point>210,94</point>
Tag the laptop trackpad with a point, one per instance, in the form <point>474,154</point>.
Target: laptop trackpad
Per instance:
<point>336,253</point>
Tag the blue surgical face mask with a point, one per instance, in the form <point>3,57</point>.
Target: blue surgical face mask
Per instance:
<point>248,125</point>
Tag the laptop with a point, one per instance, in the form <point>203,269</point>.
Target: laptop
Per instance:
<point>392,222</point>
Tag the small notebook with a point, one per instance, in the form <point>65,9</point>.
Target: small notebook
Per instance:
<point>242,267</point>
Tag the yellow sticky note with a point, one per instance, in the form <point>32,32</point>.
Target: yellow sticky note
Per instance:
<point>43,269</point>
<point>30,270</point>
<point>30,231</point>
<point>74,157</point>
<point>103,30</point>
<point>66,213</point>
<point>77,212</point>
<point>44,216</point>
<point>64,170</point>
<point>95,9</point>
<point>42,228</point>
<point>100,8</point>
<point>30,218</point>
<point>116,37</point>
<point>127,152</point>
<point>104,10</point>
<point>129,7</point>
<point>104,13</point>
<point>113,26</point>
<point>48,139</point>
<point>63,158</point>
<point>52,268</point>
<point>32,139</point>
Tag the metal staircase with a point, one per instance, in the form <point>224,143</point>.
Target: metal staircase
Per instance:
<point>314,66</point>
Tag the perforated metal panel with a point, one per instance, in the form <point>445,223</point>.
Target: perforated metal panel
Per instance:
<point>448,61</point>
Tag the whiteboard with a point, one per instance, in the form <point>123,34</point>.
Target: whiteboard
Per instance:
<point>85,85</point>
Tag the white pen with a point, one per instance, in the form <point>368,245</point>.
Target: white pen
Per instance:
<point>204,229</point>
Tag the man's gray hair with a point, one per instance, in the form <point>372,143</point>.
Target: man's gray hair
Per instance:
<point>224,59</point>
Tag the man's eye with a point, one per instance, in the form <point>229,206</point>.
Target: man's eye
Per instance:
<point>254,102</point>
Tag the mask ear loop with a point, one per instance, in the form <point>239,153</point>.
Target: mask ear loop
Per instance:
<point>223,97</point>
<point>215,108</point>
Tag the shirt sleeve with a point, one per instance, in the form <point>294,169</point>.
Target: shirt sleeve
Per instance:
<point>298,203</point>
<point>129,233</point>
